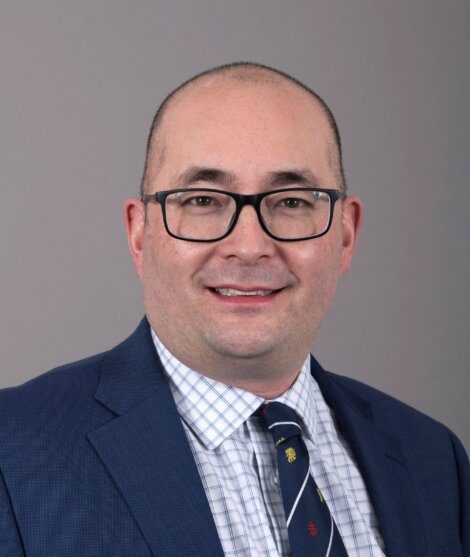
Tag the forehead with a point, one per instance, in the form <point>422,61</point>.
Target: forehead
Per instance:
<point>245,127</point>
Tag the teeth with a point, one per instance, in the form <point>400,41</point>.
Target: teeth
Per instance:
<point>233,292</point>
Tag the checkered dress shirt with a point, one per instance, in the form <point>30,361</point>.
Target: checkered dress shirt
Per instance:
<point>236,459</point>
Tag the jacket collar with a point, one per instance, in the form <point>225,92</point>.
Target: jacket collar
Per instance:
<point>383,465</point>
<point>146,452</point>
<point>130,372</point>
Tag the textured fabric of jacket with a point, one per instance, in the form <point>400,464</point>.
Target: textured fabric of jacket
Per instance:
<point>94,462</point>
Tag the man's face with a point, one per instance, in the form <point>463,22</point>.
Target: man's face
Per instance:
<point>251,134</point>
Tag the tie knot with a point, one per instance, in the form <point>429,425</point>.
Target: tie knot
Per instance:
<point>281,420</point>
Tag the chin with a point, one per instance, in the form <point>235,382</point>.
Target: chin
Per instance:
<point>245,346</point>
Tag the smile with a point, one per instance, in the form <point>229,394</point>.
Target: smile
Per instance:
<point>233,292</point>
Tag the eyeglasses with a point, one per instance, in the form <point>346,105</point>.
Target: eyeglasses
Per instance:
<point>209,215</point>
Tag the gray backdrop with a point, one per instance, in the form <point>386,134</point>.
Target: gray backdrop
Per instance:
<point>79,84</point>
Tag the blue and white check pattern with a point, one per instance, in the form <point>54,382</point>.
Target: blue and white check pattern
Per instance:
<point>237,463</point>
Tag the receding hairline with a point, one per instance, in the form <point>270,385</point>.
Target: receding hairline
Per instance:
<point>249,72</point>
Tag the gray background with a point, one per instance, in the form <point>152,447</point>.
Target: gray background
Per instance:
<point>79,84</point>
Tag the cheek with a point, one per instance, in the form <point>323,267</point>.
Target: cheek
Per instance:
<point>168,266</point>
<point>157,266</point>
<point>318,271</point>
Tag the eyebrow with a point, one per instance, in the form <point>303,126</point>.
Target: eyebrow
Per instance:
<point>217,176</point>
<point>302,177</point>
<point>214,176</point>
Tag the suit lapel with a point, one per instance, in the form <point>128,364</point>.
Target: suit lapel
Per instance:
<point>383,466</point>
<point>146,452</point>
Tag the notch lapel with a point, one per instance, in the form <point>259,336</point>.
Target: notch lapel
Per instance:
<point>383,466</point>
<point>146,452</point>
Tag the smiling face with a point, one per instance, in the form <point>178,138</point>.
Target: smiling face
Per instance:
<point>246,138</point>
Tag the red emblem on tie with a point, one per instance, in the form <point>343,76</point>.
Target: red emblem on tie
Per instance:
<point>312,528</point>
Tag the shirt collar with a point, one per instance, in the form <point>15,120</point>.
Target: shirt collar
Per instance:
<point>214,410</point>
<point>301,397</point>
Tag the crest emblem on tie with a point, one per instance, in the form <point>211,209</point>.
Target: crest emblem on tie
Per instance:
<point>312,528</point>
<point>291,454</point>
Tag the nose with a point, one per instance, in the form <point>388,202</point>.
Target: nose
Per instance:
<point>247,242</point>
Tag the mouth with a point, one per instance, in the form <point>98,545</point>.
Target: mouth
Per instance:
<point>245,296</point>
<point>234,292</point>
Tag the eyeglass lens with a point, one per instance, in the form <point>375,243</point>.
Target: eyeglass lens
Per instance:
<point>202,215</point>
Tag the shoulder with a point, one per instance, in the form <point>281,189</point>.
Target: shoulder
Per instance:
<point>397,418</point>
<point>413,442</point>
<point>62,382</point>
<point>386,408</point>
<point>57,403</point>
<point>354,401</point>
<point>56,410</point>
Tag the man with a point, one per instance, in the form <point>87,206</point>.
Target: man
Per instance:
<point>165,445</point>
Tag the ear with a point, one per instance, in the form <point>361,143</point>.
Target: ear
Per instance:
<point>352,217</point>
<point>134,218</point>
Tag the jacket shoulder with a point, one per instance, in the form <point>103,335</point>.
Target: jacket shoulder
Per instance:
<point>49,404</point>
<point>429,451</point>
<point>388,411</point>
<point>52,385</point>
<point>60,405</point>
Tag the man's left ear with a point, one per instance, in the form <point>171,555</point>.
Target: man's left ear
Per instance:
<point>134,218</point>
<point>352,217</point>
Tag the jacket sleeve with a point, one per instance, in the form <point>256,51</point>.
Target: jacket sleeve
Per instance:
<point>463,470</point>
<point>10,539</point>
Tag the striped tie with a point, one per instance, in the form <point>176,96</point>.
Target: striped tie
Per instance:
<point>312,530</point>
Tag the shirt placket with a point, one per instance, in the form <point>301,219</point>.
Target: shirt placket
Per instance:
<point>270,489</point>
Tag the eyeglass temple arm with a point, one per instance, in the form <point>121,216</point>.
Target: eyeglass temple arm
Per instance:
<point>147,197</point>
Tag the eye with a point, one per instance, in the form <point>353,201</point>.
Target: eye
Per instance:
<point>201,201</point>
<point>294,203</point>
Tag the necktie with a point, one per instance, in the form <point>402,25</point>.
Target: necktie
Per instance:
<point>312,530</point>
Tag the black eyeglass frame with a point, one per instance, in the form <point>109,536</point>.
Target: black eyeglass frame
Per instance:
<point>241,200</point>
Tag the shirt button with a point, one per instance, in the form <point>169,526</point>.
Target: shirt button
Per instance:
<point>275,480</point>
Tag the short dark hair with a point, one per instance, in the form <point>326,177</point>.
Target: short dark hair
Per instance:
<point>246,71</point>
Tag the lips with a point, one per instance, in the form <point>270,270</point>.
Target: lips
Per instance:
<point>245,294</point>
<point>235,292</point>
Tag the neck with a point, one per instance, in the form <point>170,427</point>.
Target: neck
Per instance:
<point>267,377</point>
<point>267,391</point>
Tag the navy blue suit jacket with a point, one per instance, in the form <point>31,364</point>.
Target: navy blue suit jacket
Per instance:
<point>94,462</point>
